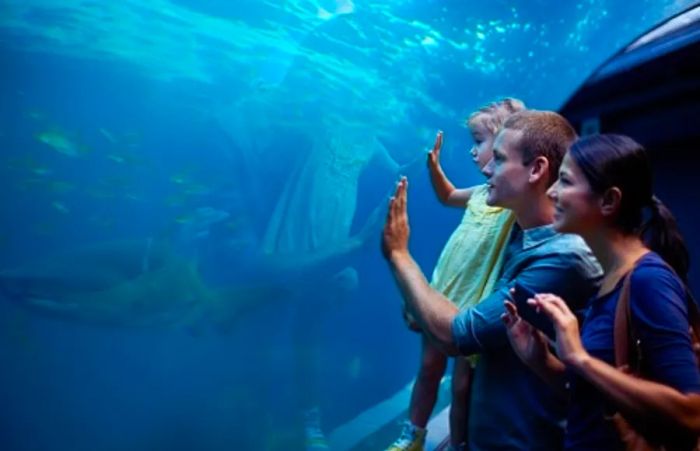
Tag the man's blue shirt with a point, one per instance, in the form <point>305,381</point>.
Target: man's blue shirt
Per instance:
<point>510,407</point>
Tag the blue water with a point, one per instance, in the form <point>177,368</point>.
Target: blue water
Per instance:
<point>228,131</point>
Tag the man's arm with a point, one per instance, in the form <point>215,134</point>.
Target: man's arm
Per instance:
<point>433,312</point>
<point>480,328</point>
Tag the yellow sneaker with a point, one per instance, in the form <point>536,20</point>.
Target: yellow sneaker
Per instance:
<point>412,439</point>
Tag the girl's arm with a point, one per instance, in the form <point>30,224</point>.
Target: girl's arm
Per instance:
<point>444,189</point>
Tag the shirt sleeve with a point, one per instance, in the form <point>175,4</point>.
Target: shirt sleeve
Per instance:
<point>567,275</point>
<point>660,319</point>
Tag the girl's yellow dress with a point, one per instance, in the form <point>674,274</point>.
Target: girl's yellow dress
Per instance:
<point>470,262</point>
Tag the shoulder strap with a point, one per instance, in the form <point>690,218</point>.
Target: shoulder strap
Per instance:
<point>693,313</point>
<point>621,331</point>
<point>694,320</point>
<point>623,335</point>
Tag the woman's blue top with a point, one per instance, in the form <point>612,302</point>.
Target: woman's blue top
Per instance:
<point>660,320</point>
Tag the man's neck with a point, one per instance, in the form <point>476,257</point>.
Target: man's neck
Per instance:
<point>538,212</point>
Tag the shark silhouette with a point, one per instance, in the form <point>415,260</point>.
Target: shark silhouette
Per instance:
<point>144,283</point>
<point>130,283</point>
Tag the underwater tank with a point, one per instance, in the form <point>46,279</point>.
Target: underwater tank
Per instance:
<point>194,193</point>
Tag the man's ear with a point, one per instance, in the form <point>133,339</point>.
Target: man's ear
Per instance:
<point>539,170</point>
<point>610,201</point>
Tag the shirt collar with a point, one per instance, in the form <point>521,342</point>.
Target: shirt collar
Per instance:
<point>536,235</point>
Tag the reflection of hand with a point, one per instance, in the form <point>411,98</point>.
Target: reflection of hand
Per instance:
<point>396,229</point>
<point>527,342</point>
<point>434,154</point>
<point>373,224</point>
<point>413,168</point>
<point>569,346</point>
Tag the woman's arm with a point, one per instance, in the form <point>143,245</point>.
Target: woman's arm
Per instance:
<point>639,398</point>
<point>444,189</point>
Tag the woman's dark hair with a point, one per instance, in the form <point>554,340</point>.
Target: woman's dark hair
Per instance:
<point>619,161</point>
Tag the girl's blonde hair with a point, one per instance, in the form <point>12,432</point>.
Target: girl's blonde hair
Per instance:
<point>493,115</point>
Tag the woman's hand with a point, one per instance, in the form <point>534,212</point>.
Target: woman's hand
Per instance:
<point>528,343</point>
<point>568,338</point>
<point>434,154</point>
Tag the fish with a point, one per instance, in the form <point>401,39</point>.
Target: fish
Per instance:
<point>116,158</point>
<point>61,187</point>
<point>126,157</point>
<point>61,143</point>
<point>107,135</point>
<point>197,224</point>
<point>184,219</point>
<point>60,207</point>
<point>29,164</point>
<point>41,171</point>
<point>179,179</point>
<point>35,114</point>
<point>195,189</point>
<point>354,368</point>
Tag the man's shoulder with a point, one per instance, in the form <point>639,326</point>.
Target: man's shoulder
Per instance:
<point>566,243</point>
<point>571,250</point>
<point>561,264</point>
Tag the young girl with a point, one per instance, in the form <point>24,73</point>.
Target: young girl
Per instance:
<point>466,271</point>
<point>604,193</point>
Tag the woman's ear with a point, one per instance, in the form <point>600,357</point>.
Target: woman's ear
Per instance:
<point>540,169</point>
<point>610,201</point>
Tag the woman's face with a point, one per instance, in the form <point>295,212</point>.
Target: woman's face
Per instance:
<point>577,208</point>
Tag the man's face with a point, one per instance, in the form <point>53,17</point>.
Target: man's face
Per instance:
<point>507,175</point>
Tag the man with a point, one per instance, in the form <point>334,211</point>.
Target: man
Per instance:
<point>511,408</point>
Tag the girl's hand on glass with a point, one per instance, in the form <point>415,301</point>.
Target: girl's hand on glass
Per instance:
<point>434,154</point>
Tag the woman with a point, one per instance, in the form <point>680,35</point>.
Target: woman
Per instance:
<point>604,193</point>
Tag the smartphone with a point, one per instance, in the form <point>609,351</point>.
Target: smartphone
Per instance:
<point>527,312</point>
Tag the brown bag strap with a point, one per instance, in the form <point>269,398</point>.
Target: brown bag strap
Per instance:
<point>622,333</point>
<point>694,320</point>
<point>693,314</point>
